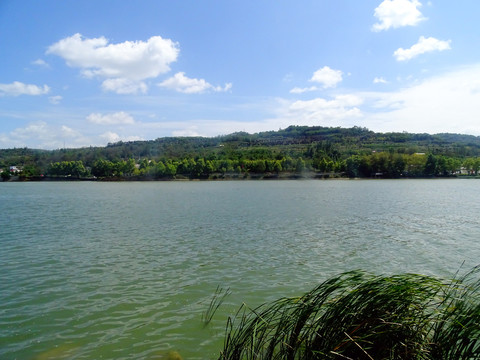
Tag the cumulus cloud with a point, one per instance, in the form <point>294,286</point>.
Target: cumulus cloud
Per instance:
<point>297,90</point>
<point>423,46</point>
<point>118,118</point>
<point>124,86</point>
<point>41,135</point>
<point>179,82</point>
<point>397,13</point>
<point>123,66</point>
<point>18,88</point>
<point>112,137</point>
<point>447,102</point>
<point>37,129</point>
<point>321,111</point>
<point>327,77</point>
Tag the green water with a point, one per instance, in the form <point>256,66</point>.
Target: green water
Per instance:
<point>125,270</point>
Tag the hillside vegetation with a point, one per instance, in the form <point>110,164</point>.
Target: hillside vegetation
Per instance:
<point>291,152</point>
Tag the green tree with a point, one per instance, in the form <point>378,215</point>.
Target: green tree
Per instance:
<point>170,169</point>
<point>441,166</point>
<point>472,165</point>
<point>258,166</point>
<point>64,168</point>
<point>396,166</point>
<point>128,167</point>
<point>475,165</point>
<point>31,170</point>
<point>103,168</point>
<point>430,165</point>
<point>468,165</point>
<point>453,165</point>
<point>288,164</point>
<point>352,166</point>
<point>160,169</point>
<point>77,168</point>
<point>185,167</point>
<point>300,165</point>
<point>144,164</point>
<point>415,164</point>
<point>277,166</point>
<point>199,168</point>
<point>209,167</point>
<point>379,163</point>
<point>5,175</point>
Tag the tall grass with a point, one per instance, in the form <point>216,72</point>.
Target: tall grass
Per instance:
<point>217,300</point>
<point>356,315</point>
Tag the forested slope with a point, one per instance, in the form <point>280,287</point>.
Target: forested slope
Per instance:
<point>297,149</point>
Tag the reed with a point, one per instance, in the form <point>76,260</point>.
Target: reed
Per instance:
<point>217,300</point>
<point>357,315</point>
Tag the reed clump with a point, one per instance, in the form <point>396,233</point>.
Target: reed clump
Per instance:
<point>356,315</point>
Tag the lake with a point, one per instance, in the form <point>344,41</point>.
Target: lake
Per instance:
<point>93,270</point>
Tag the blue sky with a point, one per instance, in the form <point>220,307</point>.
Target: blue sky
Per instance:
<point>90,72</point>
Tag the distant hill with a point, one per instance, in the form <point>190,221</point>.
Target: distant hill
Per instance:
<point>309,143</point>
<point>295,140</point>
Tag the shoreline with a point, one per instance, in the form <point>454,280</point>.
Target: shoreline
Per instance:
<point>249,177</point>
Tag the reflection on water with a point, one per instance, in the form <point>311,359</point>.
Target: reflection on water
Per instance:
<point>125,270</point>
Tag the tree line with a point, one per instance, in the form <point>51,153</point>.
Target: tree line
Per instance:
<point>377,164</point>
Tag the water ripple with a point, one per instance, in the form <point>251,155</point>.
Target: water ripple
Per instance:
<point>125,270</point>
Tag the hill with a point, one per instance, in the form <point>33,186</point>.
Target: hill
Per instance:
<point>350,151</point>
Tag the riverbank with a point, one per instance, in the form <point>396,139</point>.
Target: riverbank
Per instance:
<point>226,177</point>
<point>212,177</point>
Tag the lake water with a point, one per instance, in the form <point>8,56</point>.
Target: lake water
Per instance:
<point>92,270</point>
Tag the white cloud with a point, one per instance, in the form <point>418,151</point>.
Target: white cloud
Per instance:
<point>379,80</point>
<point>111,137</point>
<point>423,46</point>
<point>55,100</point>
<point>297,90</point>
<point>18,88</point>
<point>42,136</point>
<point>124,86</point>
<point>41,63</point>
<point>188,131</point>
<point>125,65</point>
<point>327,77</point>
<point>179,82</point>
<point>36,129</point>
<point>118,118</point>
<point>397,13</point>
<point>68,132</point>
<point>324,112</point>
<point>448,102</point>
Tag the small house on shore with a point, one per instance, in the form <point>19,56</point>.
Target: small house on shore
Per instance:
<point>15,169</point>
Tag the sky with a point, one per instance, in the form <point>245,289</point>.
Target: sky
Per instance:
<point>93,72</point>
